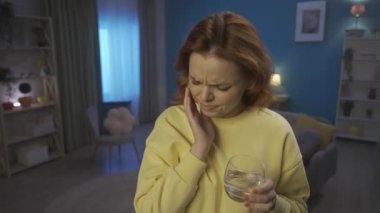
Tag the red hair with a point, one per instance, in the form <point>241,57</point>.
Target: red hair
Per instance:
<point>233,38</point>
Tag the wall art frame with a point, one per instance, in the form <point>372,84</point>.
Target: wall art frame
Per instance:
<point>310,21</point>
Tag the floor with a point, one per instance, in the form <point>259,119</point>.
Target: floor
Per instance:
<point>33,189</point>
<point>354,188</point>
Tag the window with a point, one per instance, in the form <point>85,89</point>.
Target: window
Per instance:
<point>119,51</point>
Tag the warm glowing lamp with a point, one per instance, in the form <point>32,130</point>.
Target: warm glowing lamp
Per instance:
<point>279,95</point>
<point>357,10</point>
<point>276,80</point>
<point>16,104</point>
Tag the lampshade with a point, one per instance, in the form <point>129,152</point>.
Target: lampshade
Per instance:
<point>276,80</point>
<point>357,9</point>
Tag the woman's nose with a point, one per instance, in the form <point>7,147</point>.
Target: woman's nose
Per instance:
<point>207,94</point>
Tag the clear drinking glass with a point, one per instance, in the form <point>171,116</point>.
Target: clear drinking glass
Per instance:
<point>242,173</point>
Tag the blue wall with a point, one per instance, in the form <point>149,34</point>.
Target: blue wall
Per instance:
<point>309,70</point>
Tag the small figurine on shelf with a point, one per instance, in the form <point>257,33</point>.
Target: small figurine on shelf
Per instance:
<point>43,65</point>
<point>48,81</point>
<point>347,107</point>
<point>372,93</point>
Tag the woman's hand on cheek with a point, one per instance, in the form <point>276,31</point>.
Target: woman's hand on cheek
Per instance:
<point>262,198</point>
<point>203,130</point>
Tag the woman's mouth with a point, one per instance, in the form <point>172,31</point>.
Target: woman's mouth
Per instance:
<point>207,107</point>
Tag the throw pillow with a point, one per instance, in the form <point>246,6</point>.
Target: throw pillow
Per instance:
<point>327,131</point>
<point>103,110</point>
<point>119,121</point>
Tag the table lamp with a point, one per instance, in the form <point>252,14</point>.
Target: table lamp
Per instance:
<point>357,10</point>
<point>275,81</point>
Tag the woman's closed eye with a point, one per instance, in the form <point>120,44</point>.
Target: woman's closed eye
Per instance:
<point>223,87</point>
<point>195,82</point>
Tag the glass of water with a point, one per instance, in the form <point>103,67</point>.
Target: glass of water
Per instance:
<point>242,173</point>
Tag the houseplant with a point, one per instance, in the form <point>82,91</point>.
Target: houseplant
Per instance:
<point>347,62</point>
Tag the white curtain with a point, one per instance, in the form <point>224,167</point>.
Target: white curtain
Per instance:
<point>119,51</point>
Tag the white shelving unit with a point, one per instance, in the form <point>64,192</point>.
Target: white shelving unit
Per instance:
<point>362,122</point>
<point>30,57</point>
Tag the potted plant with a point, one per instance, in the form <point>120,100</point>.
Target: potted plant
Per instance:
<point>347,62</point>
<point>6,18</point>
<point>347,107</point>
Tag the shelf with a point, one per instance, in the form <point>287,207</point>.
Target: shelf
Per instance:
<point>363,39</point>
<point>362,81</point>
<point>32,107</point>
<point>365,55</point>
<point>36,18</point>
<point>30,48</point>
<point>366,60</point>
<point>359,119</point>
<point>20,139</point>
<point>360,138</point>
<point>20,167</point>
<point>359,100</point>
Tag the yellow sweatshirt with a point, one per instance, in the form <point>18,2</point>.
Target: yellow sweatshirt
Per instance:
<point>172,179</point>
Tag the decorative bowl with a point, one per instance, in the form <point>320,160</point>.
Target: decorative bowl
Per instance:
<point>25,101</point>
<point>42,99</point>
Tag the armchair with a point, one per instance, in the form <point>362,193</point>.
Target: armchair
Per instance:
<point>317,146</point>
<point>108,138</point>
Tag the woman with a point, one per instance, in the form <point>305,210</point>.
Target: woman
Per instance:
<point>221,111</point>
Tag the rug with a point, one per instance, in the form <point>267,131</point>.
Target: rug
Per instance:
<point>105,194</point>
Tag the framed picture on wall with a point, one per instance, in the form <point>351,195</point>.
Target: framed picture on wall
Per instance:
<point>310,21</point>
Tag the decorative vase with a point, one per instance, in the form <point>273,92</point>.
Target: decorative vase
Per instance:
<point>372,94</point>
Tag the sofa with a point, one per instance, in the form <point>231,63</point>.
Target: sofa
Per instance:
<point>315,137</point>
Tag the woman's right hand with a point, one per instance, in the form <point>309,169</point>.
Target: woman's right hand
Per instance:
<point>201,125</point>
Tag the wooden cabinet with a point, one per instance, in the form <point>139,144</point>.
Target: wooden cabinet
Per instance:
<point>30,119</point>
<point>358,107</point>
